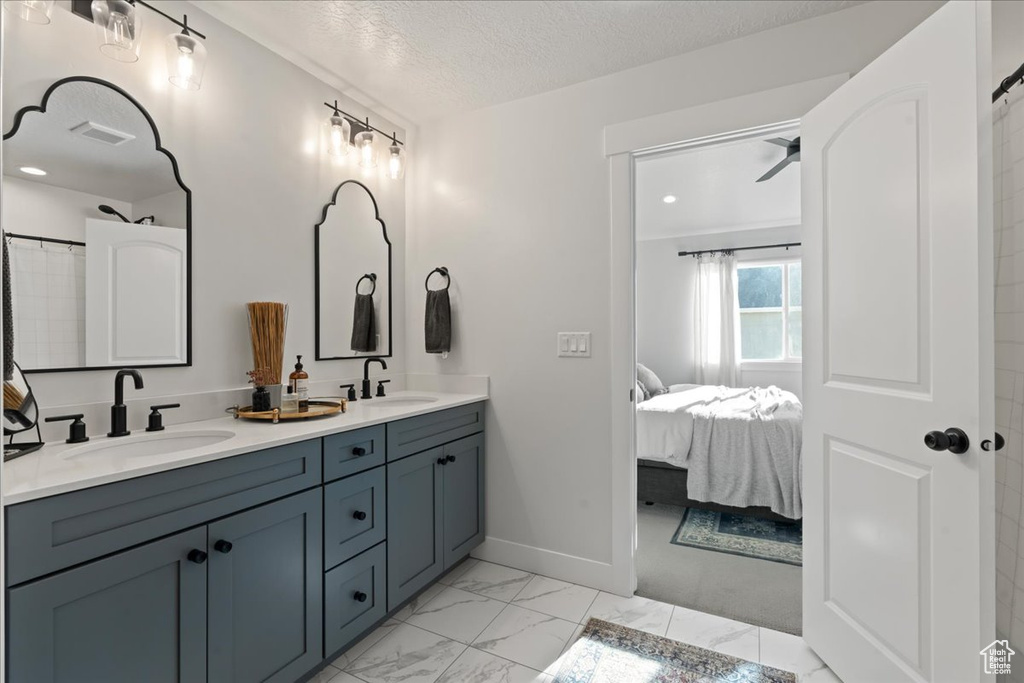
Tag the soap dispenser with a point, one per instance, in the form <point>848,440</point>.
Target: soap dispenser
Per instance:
<point>299,382</point>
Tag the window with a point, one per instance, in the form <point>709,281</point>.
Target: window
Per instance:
<point>769,303</point>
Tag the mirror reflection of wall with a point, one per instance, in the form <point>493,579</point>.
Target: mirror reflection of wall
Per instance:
<point>353,277</point>
<point>95,216</point>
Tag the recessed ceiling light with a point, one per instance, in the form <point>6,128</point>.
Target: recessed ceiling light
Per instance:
<point>32,170</point>
<point>669,199</point>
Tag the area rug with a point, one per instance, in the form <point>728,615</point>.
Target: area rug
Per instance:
<point>609,653</point>
<point>726,532</point>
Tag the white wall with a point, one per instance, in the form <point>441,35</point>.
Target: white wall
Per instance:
<point>247,145</point>
<point>514,199</point>
<point>32,208</point>
<point>665,298</point>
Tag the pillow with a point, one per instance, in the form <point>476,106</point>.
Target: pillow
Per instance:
<point>650,381</point>
<point>641,392</point>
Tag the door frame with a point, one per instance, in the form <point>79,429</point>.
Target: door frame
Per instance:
<point>623,143</point>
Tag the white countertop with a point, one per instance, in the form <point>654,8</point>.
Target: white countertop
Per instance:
<point>55,468</point>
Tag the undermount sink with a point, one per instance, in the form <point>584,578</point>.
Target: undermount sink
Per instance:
<point>144,444</point>
<point>396,401</point>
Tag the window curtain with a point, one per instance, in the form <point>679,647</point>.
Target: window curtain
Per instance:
<point>716,320</point>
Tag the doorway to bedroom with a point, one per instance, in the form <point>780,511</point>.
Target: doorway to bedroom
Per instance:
<point>718,341</point>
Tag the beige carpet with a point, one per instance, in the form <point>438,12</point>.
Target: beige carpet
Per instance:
<point>743,588</point>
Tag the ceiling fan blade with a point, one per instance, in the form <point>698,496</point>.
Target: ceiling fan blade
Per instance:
<point>781,142</point>
<point>776,168</point>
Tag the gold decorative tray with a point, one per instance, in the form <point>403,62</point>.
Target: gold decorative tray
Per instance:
<point>318,407</point>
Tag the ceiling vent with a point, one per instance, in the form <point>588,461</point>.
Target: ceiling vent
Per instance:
<point>95,131</point>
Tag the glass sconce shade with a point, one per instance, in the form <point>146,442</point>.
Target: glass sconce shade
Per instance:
<point>186,60</point>
<point>339,131</point>
<point>396,161</point>
<point>119,29</point>
<point>32,11</point>
<point>367,152</point>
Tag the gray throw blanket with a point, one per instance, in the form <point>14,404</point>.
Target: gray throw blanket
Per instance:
<point>8,311</point>
<point>746,451</point>
<point>437,328</point>
<point>364,327</point>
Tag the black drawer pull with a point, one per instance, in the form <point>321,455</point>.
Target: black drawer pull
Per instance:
<point>196,555</point>
<point>359,514</point>
<point>358,451</point>
<point>450,458</point>
<point>440,461</point>
<point>223,546</point>
<point>359,596</point>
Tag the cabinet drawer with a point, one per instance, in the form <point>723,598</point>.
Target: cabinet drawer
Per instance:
<point>53,533</point>
<point>419,433</point>
<point>345,502</point>
<point>354,598</point>
<point>352,452</point>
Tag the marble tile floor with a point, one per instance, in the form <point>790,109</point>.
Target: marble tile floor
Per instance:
<point>485,623</point>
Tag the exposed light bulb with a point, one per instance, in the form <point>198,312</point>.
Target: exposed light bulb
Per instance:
<point>32,11</point>
<point>186,60</point>
<point>367,152</point>
<point>396,161</point>
<point>338,135</point>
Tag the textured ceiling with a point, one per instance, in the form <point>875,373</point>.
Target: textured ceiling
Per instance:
<point>715,189</point>
<point>423,59</point>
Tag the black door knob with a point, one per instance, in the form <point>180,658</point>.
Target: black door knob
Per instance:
<point>358,450</point>
<point>223,546</point>
<point>359,514</point>
<point>440,461</point>
<point>359,596</point>
<point>450,458</point>
<point>196,555</point>
<point>953,439</point>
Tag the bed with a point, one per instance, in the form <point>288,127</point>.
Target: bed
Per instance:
<point>721,448</point>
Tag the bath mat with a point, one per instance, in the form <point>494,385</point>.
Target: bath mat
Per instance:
<point>609,653</point>
<point>726,532</point>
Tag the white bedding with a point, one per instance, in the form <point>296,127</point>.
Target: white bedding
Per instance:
<point>747,446</point>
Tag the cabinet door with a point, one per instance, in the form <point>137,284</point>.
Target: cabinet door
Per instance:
<point>136,616</point>
<point>265,591</point>
<point>415,524</point>
<point>463,497</point>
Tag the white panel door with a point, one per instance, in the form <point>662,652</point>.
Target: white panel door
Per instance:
<point>135,294</point>
<point>899,565</point>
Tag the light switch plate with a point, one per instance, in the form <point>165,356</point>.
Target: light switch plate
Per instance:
<point>574,345</point>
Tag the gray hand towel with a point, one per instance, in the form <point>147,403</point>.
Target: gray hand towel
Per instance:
<point>364,327</point>
<point>438,322</point>
<point>8,317</point>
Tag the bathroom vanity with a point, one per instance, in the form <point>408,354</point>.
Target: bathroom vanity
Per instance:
<point>255,558</point>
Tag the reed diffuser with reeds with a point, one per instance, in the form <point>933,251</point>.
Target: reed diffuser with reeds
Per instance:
<point>267,323</point>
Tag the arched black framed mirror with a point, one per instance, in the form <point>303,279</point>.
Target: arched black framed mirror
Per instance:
<point>353,277</point>
<point>99,230</point>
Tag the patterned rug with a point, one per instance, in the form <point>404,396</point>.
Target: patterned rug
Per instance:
<point>726,532</point>
<point>609,653</point>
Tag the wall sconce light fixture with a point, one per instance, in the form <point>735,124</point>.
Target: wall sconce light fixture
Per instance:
<point>396,159</point>
<point>339,133</point>
<point>32,11</point>
<point>343,128</point>
<point>186,59</point>
<point>118,28</point>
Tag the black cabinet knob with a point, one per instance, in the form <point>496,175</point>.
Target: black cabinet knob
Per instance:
<point>223,546</point>
<point>953,440</point>
<point>358,450</point>
<point>196,555</point>
<point>450,458</point>
<point>359,514</point>
<point>359,596</point>
<point>441,460</point>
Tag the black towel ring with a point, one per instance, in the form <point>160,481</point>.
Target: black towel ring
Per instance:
<point>443,271</point>
<point>373,280</point>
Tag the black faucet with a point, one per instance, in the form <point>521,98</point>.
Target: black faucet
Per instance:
<point>366,375</point>
<point>119,411</point>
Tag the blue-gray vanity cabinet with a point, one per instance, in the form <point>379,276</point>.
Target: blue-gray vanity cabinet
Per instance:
<point>265,592</point>
<point>355,598</point>
<point>415,524</point>
<point>351,452</point>
<point>354,516</point>
<point>463,497</point>
<point>139,615</point>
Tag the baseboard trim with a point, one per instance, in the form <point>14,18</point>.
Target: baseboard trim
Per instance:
<point>550,563</point>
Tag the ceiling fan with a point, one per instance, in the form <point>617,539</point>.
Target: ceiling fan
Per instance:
<point>792,154</point>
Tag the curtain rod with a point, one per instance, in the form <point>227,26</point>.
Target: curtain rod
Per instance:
<point>1008,82</point>
<point>40,238</point>
<point>787,245</point>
